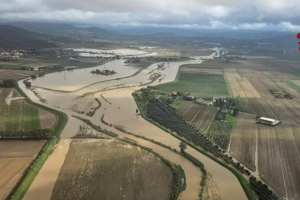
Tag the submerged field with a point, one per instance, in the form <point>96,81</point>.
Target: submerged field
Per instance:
<point>110,169</point>
<point>197,84</point>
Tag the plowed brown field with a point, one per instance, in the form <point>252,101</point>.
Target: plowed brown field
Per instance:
<point>278,155</point>
<point>200,116</point>
<point>15,156</point>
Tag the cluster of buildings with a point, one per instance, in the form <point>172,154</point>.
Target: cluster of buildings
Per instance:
<point>11,55</point>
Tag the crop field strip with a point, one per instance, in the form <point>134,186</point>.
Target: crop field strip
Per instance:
<point>15,74</point>
<point>4,108</point>
<point>240,86</point>
<point>22,117</point>
<point>200,116</point>
<point>15,156</point>
<point>278,153</point>
<point>205,85</point>
<point>285,110</point>
<point>243,141</point>
<point>200,70</point>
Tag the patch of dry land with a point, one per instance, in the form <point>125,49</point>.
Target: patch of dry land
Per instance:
<point>15,156</point>
<point>240,86</point>
<point>111,169</point>
<point>271,151</point>
<point>16,74</point>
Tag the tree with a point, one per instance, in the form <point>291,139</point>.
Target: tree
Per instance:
<point>182,147</point>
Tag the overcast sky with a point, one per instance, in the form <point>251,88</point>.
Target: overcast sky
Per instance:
<point>217,14</point>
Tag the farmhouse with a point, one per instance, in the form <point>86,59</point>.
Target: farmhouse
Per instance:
<point>268,121</point>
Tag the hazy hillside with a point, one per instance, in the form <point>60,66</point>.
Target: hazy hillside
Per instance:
<point>14,37</point>
<point>289,40</point>
<point>63,29</point>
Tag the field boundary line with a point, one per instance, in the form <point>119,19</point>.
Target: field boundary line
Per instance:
<point>27,178</point>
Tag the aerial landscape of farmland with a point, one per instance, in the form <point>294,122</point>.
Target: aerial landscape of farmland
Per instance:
<point>90,112</point>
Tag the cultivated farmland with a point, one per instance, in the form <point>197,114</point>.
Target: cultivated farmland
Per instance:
<point>15,156</point>
<point>285,110</point>
<point>17,115</point>
<point>277,156</point>
<point>204,85</point>
<point>240,86</point>
<point>111,169</point>
<point>200,116</point>
<point>15,74</point>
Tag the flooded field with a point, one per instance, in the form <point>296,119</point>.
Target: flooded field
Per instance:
<point>75,79</point>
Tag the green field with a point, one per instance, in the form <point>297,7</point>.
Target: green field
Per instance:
<point>176,103</point>
<point>22,117</point>
<point>220,132</point>
<point>292,85</point>
<point>203,85</point>
<point>31,118</point>
<point>11,66</point>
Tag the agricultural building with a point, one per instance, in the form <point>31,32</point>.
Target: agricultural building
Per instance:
<point>268,121</point>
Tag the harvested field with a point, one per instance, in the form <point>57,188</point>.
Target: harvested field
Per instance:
<point>16,74</point>
<point>201,70</point>
<point>15,156</point>
<point>93,167</point>
<point>284,110</point>
<point>278,155</point>
<point>200,116</point>
<point>243,141</point>
<point>241,86</point>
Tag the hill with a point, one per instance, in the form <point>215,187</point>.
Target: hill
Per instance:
<point>15,37</point>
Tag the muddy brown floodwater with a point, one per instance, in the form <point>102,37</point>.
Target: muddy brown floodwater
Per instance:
<point>121,112</point>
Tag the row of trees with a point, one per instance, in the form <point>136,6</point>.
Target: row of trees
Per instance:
<point>36,134</point>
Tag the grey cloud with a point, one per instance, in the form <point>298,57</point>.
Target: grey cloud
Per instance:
<point>235,14</point>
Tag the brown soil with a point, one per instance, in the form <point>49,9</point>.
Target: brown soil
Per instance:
<point>243,141</point>
<point>15,156</point>
<point>47,119</point>
<point>200,116</point>
<point>15,74</point>
<point>110,169</point>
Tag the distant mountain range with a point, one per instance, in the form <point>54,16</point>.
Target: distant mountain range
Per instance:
<point>14,37</point>
<point>37,35</point>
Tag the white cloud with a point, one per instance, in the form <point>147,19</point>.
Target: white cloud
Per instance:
<point>227,14</point>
